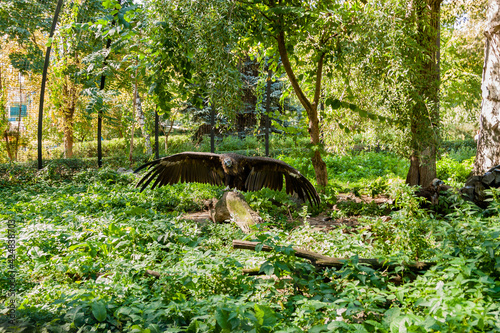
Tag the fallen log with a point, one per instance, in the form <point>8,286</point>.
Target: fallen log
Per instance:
<point>322,261</point>
<point>301,253</point>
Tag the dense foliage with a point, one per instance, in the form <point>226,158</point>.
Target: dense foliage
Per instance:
<point>85,241</point>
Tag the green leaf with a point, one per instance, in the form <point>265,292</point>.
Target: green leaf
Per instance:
<point>222,318</point>
<point>334,104</point>
<point>265,316</point>
<point>362,113</point>
<point>400,295</point>
<point>267,268</point>
<point>99,310</point>
<point>74,247</point>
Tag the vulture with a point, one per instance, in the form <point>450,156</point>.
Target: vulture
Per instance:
<point>474,189</point>
<point>232,170</point>
<point>431,192</point>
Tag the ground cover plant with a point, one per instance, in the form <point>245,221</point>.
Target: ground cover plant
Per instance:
<point>86,242</point>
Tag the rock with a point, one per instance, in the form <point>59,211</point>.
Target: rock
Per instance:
<point>233,206</point>
<point>474,191</point>
<point>488,178</point>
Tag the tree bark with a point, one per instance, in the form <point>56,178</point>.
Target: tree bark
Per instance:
<point>425,113</point>
<point>488,145</point>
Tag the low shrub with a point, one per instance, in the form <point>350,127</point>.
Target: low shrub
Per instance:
<point>452,171</point>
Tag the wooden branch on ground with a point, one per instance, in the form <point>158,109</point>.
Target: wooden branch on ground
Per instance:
<point>152,273</point>
<point>323,261</point>
<point>309,255</point>
<point>252,271</point>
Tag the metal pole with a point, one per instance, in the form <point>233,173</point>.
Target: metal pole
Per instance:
<point>157,145</point>
<point>212,128</point>
<point>44,78</point>
<point>99,113</point>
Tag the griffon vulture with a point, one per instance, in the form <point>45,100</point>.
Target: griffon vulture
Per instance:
<point>431,192</point>
<point>235,171</point>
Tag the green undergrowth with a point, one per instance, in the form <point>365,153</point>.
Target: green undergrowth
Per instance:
<point>87,245</point>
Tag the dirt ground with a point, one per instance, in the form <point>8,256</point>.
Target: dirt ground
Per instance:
<point>321,222</point>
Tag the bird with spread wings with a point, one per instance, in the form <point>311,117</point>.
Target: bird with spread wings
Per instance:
<point>244,173</point>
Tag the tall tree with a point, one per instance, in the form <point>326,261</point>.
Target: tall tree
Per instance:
<point>424,114</point>
<point>71,44</point>
<point>488,146</point>
<point>140,117</point>
<point>124,57</point>
<point>302,37</point>
<point>4,123</point>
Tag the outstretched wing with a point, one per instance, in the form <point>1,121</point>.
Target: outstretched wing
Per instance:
<point>269,172</point>
<point>184,167</point>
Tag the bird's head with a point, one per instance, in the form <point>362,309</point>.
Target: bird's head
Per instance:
<point>436,183</point>
<point>228,162</point>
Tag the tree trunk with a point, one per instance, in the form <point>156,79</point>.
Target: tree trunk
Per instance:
<point>7,146</point>
<point>425,112</point>
<point>157,148</point>
<point>7,128</point>
<point>488,145</point>
<point>16,146</point>
<point>311,108</point>
<point>130,153</point>
<point>167,134</point>
<point>321,260</point>
<point>68,132</point>
<point>70,95</point>
<point>142,122</point>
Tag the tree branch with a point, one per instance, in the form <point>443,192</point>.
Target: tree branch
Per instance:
<point>319,75</point>
<point>291,75</point>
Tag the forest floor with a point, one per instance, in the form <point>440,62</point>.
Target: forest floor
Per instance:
<point>321,222</point>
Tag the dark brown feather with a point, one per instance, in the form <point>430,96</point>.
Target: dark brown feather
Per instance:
<point>243,172</point>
